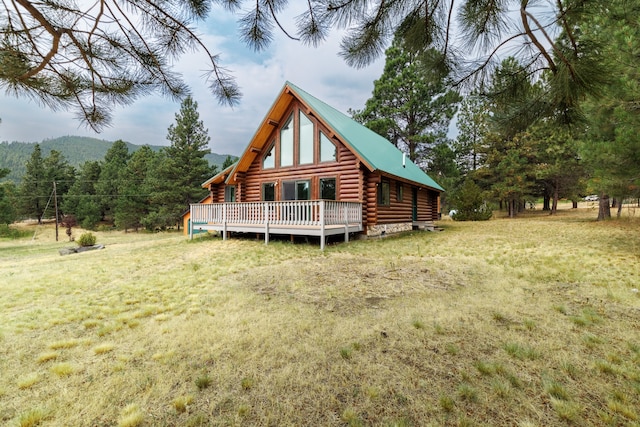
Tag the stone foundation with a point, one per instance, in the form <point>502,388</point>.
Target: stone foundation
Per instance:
<point>385,229</point>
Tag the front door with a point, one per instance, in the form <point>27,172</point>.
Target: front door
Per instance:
<point>414,203</point>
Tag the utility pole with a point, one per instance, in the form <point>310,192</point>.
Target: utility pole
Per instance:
<point>55,205</point>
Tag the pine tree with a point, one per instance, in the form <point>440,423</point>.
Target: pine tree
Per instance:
<point>58,170</point>
<point>558,165</point>
<point>510,157</point>
<point>181,169</point>
<point>81,200</point>
<point>411,104</point>
<point>473,125</point>
<point>110,182</point>
<point>469,203</point>
<point>612,139</point>
<point>135,192</point>
<point>7,199</point>
<point>35,189</point>
<point>227,162</point>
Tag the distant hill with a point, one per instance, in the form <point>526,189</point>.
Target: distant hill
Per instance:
<point>76,149</point>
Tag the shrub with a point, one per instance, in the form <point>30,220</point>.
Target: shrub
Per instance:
<point>87,239</point>
<point>469,203</point>
<point>12,233</point>
<point>203,382</point>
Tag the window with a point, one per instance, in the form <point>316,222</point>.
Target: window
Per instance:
<point>268,191</point>
<point>302,190</point>
<point>296,190</point>
<point>286,143</point>
<point>230,193</point>
<point>327,149</point>
<point>383,193</point>
<point>328,188</point>
<point>305,153</point>
<point>269,161</point>
<point>399,191</point>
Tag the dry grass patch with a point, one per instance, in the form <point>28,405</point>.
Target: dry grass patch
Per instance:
<point>63,344</point>
<point>530,321</point>
<point>28,381</point>
<point>47,356</point>
<point>180,403</point>
<point>104,348</point>
<point>32,418</point>
<point>63,369</point>
<point>131,416</point>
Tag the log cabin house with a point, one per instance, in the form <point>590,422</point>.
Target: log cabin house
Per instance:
<point>311,170</point>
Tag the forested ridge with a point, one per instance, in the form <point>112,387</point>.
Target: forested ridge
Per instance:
<point>75,149</point>
<point>128,186</point>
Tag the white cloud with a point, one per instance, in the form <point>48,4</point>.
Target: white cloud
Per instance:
<point>319,71</point>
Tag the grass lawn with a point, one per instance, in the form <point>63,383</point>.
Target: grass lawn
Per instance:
<point>526,322</point>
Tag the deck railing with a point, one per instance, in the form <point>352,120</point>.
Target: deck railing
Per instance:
<point>316,213</point>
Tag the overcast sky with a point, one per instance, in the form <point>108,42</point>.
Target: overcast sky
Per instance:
<point>319,71</point>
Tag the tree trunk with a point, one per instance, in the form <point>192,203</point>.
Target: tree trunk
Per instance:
<point>574,204</point>
<point>619,210</point>
<point>545,203</point>
<point>554,206</point>
<point>513,208</point>
<point>604,210</point>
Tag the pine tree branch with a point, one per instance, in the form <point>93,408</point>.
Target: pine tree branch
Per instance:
<point>44,22</point>
<point>565,25</point>
<point>524,15</point>
<point>275,19</point>
<point>554,46</point>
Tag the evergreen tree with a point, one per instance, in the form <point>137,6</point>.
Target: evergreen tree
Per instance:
<point>135,193</point>
<point>559,166</point>
<point>469,203</point>
<point>510,158</point>
<point>35,189</point>
<point>81,200</point>
<point>411,104</point>
<point>473,126</point>
<point>181,169</point>
<point>110,182</point>
<point>444,168</point>
<point>511,164</point>
<point>227,162</point>
<point>7,199</point>
<point>58,170</point>
<point>612,137</point>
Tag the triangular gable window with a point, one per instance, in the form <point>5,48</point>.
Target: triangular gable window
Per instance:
<point>269,160</point>
<point>327,149</point>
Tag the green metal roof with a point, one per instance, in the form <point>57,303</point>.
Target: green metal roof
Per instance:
<point>376,151</point>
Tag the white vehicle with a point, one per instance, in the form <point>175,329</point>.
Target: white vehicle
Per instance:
<point>592,198</point>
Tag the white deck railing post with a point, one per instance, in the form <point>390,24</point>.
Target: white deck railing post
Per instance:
<point>266,223</point>
<point>224,221</point>
<point>346,222</point>
<point>322,223</point>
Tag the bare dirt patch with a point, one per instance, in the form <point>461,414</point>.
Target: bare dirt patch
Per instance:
<point>348,284</point>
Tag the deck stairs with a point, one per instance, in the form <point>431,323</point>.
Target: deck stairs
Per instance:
<point>426,226</point>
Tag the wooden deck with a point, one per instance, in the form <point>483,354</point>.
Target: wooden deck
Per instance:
<point>320,218</point>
